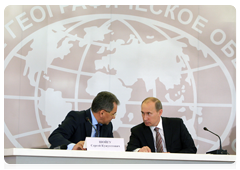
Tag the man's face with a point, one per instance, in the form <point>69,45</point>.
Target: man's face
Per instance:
<point>108,116</point>
<point>149,114</point>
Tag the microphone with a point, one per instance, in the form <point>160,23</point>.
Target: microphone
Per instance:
<point>87,118</point>
<point>218,151</point>
<point>64,147</point>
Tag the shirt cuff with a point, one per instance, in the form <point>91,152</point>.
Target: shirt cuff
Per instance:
<point>136,150</point>
<point>70,146</point>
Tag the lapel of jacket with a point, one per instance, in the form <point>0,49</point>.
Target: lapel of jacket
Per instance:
<point>149,137</point>
<point>167,133</point>
<point>104,131</point>
<point>87,124</point>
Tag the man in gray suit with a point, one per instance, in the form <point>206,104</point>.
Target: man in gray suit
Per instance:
<point>159,134</point>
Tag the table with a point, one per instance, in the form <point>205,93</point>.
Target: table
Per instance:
<point>53,156</point>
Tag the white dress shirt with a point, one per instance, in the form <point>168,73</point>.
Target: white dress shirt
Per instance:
<point>161,133</point>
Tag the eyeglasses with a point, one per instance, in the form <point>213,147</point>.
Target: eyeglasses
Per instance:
<point>114,114</point>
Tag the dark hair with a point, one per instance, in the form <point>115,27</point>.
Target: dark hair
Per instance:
<point>158,104</point>
<point>104,101</point>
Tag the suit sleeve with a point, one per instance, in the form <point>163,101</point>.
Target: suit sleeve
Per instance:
<point>62,134</point>
<point>134,142</point>
<point>188,145</point>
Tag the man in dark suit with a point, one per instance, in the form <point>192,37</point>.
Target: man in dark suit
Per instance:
<point>76,126</point>
<point>171,135</point>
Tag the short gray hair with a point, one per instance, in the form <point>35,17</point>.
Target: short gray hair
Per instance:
<point>104,101</point>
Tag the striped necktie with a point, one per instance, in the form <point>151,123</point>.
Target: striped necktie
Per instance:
<point>158,140</point>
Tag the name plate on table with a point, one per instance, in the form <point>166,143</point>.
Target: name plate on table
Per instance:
<point>104,144</point>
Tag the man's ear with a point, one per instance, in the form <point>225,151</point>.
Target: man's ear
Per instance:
<point>101,112</point>
<point>160,112</point>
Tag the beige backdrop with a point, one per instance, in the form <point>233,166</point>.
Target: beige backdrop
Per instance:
<point>57,58</point>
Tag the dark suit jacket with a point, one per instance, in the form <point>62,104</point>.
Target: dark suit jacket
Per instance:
<point>177,137</point>
<point>76,128</point>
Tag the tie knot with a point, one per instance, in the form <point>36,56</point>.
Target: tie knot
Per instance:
<point>156,128</point>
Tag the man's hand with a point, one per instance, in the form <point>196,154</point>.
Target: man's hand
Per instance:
<point>144,149</point>
<point>79,146</point>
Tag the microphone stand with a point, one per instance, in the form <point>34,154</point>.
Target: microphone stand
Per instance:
<point>217,151</point>
<point>92,126</point>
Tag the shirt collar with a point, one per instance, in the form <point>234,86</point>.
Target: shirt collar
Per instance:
<point>159,125</point>
<point>94,120</point>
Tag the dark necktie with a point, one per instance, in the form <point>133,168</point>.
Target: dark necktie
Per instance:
<point>158,140</point>
<point>98,126</point>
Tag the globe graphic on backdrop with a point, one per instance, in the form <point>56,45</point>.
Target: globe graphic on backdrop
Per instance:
<point>109,60</point>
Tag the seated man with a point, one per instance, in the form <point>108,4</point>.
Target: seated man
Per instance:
<point>77,124</point>
<point>159,134</point>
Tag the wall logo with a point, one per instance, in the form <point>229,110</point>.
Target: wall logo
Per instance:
<point>64,62</point>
